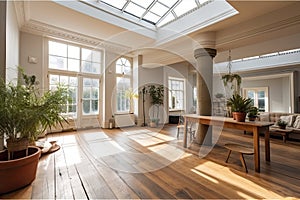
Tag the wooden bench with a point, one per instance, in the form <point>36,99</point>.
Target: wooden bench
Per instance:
<point>241,150</point>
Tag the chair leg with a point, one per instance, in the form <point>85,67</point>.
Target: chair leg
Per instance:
<point>229,152</point>
<point>243,162</point>
<point>177,133</point>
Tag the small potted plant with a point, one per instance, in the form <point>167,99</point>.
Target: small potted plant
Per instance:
<point>24,114</point>
<point>252,113</point>
<point>239,106</point>
<point>282,124</point>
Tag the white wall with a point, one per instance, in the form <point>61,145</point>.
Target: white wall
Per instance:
<point>12,43</point>
<point>32,45</point>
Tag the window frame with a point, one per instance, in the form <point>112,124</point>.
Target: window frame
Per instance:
<point>183,80</point>
<point>256,98</point>
<point>123,75</point>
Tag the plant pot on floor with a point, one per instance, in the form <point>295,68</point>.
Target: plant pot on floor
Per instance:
<point>19,172</point>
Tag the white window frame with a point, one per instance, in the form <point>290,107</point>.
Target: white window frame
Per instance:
<point>256,90</point>
<point>122,75</point>
<point>183,80</point>
<point>79,74</point>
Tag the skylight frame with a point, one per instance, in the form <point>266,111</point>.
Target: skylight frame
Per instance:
<point>158,18</point>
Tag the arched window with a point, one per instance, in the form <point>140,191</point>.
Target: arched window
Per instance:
<point>123,84</point>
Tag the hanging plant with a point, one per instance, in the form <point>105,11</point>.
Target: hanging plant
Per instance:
<point>229,78</point>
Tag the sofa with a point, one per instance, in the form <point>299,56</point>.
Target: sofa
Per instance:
<point>292,119</point>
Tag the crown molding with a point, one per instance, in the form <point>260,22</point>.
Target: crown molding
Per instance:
<point>46,30</point>
<point>232,38</point>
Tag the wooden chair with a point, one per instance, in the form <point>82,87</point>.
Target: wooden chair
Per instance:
<point>180,128</point>
<point>241,150</point>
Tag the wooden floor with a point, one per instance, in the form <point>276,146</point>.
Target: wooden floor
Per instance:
<point>145,163</point>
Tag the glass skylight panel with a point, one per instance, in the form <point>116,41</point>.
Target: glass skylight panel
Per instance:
<point>184,6</point>
<point>135,9</point>
<point>168,3</point>
<point>115,3</point>
<point>159,9</point>
<point>151,17</point>
<point>167,19</point>
<point>143,3</point>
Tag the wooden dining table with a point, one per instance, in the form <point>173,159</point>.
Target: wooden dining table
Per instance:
<point>255,127</point>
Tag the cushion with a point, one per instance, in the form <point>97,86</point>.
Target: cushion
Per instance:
<point>264,117</point>
<point>297,122</point>
<point>288,119</point>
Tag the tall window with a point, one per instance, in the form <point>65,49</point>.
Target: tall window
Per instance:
<point>123,84</point>
<point>259,96</point>
<point>176,94</point>
<point>78,68</point>
<point>72,84</point>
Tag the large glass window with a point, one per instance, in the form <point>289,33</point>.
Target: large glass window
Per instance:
<point>259,96</point>
<point>176,94</point>
<point>79,68</point>
<point>123,84</point>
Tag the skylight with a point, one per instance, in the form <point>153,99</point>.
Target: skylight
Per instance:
<point>156,12</point>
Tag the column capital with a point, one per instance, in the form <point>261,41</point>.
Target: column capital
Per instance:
<point>205,52</point>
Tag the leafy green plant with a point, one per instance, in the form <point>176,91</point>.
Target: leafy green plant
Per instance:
<point>25,113</point>
<point>253,112</point>
<point>239,103</point>
<point>230,78</point>
<point>156,93</point>
<point>282,123</point>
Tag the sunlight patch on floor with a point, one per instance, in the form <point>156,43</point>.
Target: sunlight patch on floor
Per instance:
<point>226,174</point>
<point>205,176</point>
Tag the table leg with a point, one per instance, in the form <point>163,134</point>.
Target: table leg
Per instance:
<point>256,149</point>
<point>267,144</point>
<point>185,133</point>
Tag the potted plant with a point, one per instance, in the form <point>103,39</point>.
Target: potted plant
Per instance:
<point>156,93</point>
<point>239,106</point>
<point>252,113</point>
<point>24,114</point>
<point>282,124</point>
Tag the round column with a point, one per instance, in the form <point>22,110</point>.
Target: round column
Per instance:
<point>204,57</point>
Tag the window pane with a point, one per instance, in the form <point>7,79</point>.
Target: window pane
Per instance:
<point>96,56</point>
<point>94,106</point>
<point>261,94</point>
<point>159,9</point>
<point>73,65</point>
<point>54,79</point>
<point>116,3</point>
<point>73,52</point>
<point>144,3</point>
<point>95,92</point>
<point>58,49</point>
<point>56,62</point>
<point>86,66</point>
<point>135,9</point>
<point>123,103</point>
<point>86,54</point>
<point>168,3</point>
<point>86,92</point>
<point>151,17</point>
<point>86,106</point>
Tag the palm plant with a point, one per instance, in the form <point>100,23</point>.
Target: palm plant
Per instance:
<point>25,113</point>
<point>156,93</point>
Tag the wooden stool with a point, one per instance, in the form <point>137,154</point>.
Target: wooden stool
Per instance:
<point>241,150</point>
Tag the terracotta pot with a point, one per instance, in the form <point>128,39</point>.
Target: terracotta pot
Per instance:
<point>19,172</point>
<point>240,117</point>
<point>233,115</point>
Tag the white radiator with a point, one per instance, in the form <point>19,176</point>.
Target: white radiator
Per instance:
<point>124,120</point>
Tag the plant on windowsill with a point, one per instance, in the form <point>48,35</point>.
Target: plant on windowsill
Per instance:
<point>282,124</point>
<point>252,113</point>
<point>130,94</point>
<point>239,106</point>
<point>24,114</point>
<point>156,93</point>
